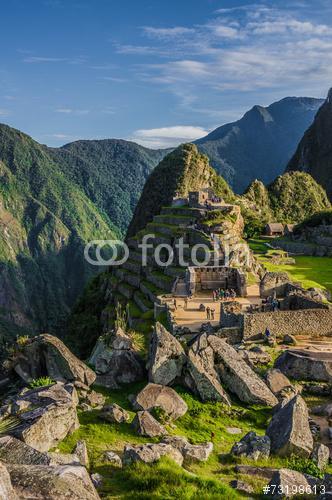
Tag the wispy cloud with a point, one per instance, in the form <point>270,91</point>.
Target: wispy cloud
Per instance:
<point>167,137</point>
<point>70,111</point>
<point>247,48</point>
<point>41,59</point>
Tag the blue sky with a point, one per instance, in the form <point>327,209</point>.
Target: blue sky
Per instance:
<point>154,71</point>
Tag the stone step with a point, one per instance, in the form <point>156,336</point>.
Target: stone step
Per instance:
<point>160,280</point>
<point>132,266</point>
<point>186,211</point>
<point>132,279</point>
<point>126,290</point>
<point>142,301</point>
<point>184,220</point>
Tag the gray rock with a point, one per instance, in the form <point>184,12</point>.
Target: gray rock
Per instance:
<point>203,379</point>
<point>63,458</point>
<point>252,446</point>
<point>286,480</point>
<point>42,481</point>
<point>46,355</point>
<point>233,430</point>
<point>289,340</point>
<point>146,425</point>
<point>323,410</point>
<point>321,455</point>
<point>149,453</point>
<point>289,430</point>
<point>15,451</point>
<point>238,376</point>
<point>155,395</point>
<point>81,451</point>
<point>277,381</point>
<point>241,486</point>
<point>116,361</point>
<point>51,417</point>
<point>112,458</point>
<point>166,357</point>
<point>305,365</point>
<point>114,413</point>
<point>192,453</point>
<point>95,399</point>
<point>97,480</point>
<point>255,357</point>
<point>6,488</point>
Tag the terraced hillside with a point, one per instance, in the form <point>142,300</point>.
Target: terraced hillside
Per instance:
<point>136,284</point>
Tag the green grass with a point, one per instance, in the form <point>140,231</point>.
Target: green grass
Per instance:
<point>309,271</point>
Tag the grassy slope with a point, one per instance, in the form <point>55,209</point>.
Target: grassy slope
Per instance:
<point>310,271</point>
<point>165,480</point>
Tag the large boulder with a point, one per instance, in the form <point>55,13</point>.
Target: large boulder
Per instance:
<point>166,357</point>
<point>289,429</point>
<point>15,451</point>
<point>237,376</point>
<point>192,453</point>
<point>116,361</point>
<point>6,488</point>
<point>286,483</point>
<point>252,446</point>
<point>49,415</point>
<point>255,356</point>
<point>51,483</point>
<point>306,365</point>
<point>321,455</point>
<point>201,376</point>
<point>46,355</point>
<point>149,453</point>
<point>146,425</point>
<point>277,381</point>
<point>159,396</point>
<point>114,413</point>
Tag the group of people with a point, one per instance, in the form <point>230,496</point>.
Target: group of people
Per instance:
<point>210,313</point>
<point>221,294</point>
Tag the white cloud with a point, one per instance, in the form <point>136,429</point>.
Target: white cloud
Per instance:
<point>70,111</point>
<point>167,32</point>
<point>167,137</point>
<point>247,48</point>
<point>4,112</point>
<point>37,59</point>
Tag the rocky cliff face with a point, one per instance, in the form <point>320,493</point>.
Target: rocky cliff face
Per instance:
<point>260,144</point>
<point>314,153</point>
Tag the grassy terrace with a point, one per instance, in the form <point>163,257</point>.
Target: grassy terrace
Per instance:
<point>310,271</point>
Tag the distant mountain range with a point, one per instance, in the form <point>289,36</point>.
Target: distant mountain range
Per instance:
<point>314,153</point>
<point>54,200</point>
<point>260,144</point>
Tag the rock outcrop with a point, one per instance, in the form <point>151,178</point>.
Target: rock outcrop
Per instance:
<point>49,415</point>
<point>289,429</point>
<point>46,355</point>
<point>277,381</point>
<point>158,396</point>
<point>146,425</point>
<point>304,365</point>
<point>6,488</point>
<point>237,376</point>
<point>201,376</point>
<point>149,453</point>
<point>114,413</point>
<point>53,483</point>
<point>116,361</point>
<point>166,357</point>
<point>192,453</point>
<point>285,483</point>
<point>252,446</point>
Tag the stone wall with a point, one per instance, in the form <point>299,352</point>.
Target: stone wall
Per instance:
<point>313,322</point>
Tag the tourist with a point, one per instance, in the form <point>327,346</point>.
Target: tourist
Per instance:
<point>226,294</point>
<point>221,294</point>
<point>186,303</point>
<point>175,304</point>
<point>212,313</point>
<point>201,307</point>
<point>208,313</point>
<point>213,295</point>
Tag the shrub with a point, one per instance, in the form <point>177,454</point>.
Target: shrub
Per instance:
<point>41,382</point>
<point>8,424</point>
<point>23,340</point>
<point>304,465</point>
